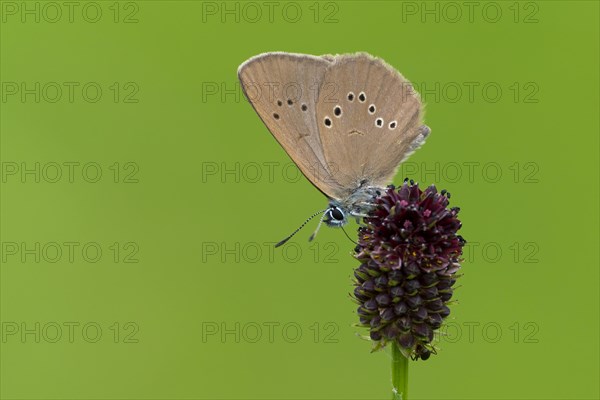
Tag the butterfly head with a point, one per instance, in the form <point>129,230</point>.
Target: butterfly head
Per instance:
<point>335,216</point>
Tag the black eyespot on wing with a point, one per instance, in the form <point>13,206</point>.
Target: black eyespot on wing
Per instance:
<point>304,107</point>
<point>276,116</point>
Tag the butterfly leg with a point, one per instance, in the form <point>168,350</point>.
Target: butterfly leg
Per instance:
<point>359,220</point>
<point>358,215</point>
<point>367,204</point>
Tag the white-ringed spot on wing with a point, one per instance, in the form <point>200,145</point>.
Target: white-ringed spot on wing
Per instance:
<point>337,111</point>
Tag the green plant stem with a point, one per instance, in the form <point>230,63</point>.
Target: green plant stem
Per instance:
<point>399,374</point>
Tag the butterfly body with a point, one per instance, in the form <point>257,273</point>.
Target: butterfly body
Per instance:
<point>357,204</point>
<point>347,121</point>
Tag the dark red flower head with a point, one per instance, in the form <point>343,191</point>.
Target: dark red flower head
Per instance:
<point>409,252</point>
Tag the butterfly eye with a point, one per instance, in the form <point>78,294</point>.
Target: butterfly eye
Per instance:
<point>336,214</point>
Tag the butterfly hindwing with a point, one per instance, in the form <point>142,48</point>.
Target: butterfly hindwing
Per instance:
<point>369,120</point>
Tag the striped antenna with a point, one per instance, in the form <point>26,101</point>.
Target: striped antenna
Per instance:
<point>301,226</point>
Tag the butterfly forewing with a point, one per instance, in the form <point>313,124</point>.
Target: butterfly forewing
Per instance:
<point>283,88</point>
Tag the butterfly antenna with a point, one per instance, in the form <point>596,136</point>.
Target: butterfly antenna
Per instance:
<point>300,227</point>
<point>310,239</point>
<point>348,236</point>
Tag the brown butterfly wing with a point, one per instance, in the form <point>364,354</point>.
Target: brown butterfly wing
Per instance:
<point>369,119</point>
<point>283,88</point>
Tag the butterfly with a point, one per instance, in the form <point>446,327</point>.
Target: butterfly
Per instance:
<point>347,121</point>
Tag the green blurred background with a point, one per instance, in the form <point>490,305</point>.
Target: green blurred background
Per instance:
<point>141,196</point>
